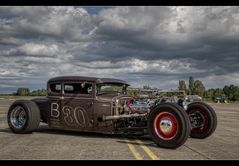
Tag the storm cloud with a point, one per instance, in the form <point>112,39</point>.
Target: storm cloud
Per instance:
<point>142,45</point>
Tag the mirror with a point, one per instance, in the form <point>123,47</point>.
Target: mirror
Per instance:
<point>89,90</point>
<point>83,85</point>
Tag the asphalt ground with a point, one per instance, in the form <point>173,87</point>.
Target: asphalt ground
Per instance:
<point>52,144</point>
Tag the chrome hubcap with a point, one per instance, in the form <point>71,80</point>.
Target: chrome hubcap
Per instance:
<point>18,117</point>
<point>166,125</point>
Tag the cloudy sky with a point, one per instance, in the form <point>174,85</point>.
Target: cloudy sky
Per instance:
<point>142,45</point>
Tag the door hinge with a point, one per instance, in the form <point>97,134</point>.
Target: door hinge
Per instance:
<point>62,98</point>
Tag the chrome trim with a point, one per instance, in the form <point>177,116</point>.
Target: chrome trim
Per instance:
<point>166,125</point>
<point>18,117</point>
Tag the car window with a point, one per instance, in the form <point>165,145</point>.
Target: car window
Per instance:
<point>77,88</point>
<point>56,87</point>
<point>110,88</point>
<point>69,88</point>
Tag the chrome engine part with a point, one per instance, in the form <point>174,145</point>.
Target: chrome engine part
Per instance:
<point>130,115</point>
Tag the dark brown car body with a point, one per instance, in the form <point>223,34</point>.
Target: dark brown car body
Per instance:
<point>81,112</point>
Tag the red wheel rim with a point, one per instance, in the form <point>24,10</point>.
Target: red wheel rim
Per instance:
<point>205,120</point>
<point>166,126</point>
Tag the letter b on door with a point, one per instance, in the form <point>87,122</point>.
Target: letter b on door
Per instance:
<point>55,110</point>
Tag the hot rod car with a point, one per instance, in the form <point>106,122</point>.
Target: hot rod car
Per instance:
<point>102,105</point>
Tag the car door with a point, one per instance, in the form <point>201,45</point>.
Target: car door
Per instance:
<point>55,97</point>
<point>77,106</point>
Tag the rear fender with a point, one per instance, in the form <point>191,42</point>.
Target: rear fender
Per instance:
<point>44,107</point>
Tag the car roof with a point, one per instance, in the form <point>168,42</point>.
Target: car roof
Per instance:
<point>90,79</point>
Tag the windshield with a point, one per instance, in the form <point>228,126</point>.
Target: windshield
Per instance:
<point>110,88</point>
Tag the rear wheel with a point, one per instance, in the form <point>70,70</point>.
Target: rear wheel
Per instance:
<point>23,116</point>
<point>203,119</point>
<point>168,125</point>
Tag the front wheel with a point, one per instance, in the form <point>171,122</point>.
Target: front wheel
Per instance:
<point>23,116</point>
<point>168,125</point>
<point>203,119</point>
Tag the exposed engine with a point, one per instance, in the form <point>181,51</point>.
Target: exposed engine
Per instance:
<point>129,105</point>
<point>130,115</point>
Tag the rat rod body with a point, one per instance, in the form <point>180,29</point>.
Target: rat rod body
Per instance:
<point>101,105</point>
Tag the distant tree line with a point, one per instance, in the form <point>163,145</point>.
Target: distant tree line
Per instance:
<point>23,91</point>
<point>196,87</point>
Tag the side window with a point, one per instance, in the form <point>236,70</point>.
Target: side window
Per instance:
<point>78,88</point>
<point>69,88</point>
<point>56,87</point>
